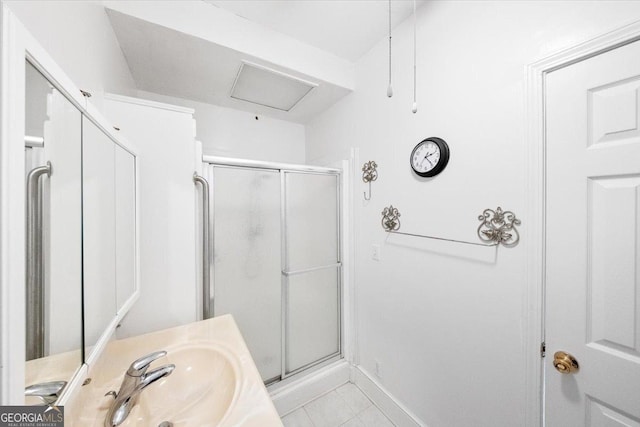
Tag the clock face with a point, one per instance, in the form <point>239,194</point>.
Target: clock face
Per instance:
<point>430,157</point>
<point>425,157</point>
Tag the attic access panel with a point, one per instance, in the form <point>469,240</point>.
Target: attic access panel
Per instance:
<point>269,88</point>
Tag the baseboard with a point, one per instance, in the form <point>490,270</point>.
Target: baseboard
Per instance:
<point>292,396</point>
<point>387,403</point>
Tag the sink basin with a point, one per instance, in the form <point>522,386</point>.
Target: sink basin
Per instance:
<point>215,382</point>
<point>200,391</point>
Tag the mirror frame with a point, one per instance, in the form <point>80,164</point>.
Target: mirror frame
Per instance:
<point>17,45</point>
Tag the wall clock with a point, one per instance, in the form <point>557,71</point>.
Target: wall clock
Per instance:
<point>429,157</point>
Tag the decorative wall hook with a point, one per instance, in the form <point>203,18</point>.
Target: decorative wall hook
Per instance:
<point>369,173</point>
<point>498,227</point>
<point>391,219</point>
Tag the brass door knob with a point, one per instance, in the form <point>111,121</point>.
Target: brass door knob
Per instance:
<point>565,363</point>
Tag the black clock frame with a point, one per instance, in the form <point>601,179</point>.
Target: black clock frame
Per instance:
<point>442,163</point>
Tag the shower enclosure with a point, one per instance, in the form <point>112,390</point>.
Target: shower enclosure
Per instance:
<point>275,261</point>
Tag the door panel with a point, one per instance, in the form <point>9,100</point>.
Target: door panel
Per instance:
<point>247,259</point>
<point>312,272</point>
<point>312,220</point>
<point>613,112</point>
<point>312,317</point>
<point>593,240</point>
<point>613,204</point>
<point>601,415</point>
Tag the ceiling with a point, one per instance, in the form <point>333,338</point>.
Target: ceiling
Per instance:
<point>195,49</point>
<point>346,28</point>
<point>169,62</point>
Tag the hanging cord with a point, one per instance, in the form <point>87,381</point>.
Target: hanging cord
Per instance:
<point>389,88</point>
<point>414,108</point>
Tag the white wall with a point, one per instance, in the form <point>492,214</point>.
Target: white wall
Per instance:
<point>233,133</point>
<point>445,321</point>
<point>165,146</point>
<point>79,38</point>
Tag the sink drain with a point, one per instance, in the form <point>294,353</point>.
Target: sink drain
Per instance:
<point>165,424</point>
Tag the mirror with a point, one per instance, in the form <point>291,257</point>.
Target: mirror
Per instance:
<point>125,227</point>
<point>54,233</point>
<point>108,176</point>
<point>98,176</point>
<point>81,234</point>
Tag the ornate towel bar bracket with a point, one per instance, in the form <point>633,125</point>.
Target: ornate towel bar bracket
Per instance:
<point>497,227</point>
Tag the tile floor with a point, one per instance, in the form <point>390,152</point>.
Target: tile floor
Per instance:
<point>345,406</point>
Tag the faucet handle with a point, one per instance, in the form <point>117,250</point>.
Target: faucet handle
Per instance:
<point>155,374</point>
<point>140,366</point>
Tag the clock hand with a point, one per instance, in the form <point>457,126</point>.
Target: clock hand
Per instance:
<point>426,157</point>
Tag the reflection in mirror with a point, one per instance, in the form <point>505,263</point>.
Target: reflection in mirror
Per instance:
<point>99,229</point>
<point>125,193</point>
<point>54,235</point>
<point>109,191</point>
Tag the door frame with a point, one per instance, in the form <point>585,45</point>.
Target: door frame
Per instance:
<point>535,232</point>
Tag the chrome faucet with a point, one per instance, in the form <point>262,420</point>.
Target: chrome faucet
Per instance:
<point>135,380</point>
<point>47,392</point>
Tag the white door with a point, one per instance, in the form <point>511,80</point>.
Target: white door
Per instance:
<point>593,240</point>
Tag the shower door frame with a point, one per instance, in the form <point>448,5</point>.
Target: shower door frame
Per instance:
<point>282,169</point>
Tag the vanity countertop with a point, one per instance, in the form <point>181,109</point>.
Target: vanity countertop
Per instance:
<point>202,351</point>
<point>57,367</point>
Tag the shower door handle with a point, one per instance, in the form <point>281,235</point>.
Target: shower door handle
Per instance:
<point>309,270</point>
<point>34,264</point>
<point>207,312</point>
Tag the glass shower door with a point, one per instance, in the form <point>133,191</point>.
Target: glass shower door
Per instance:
<point>246,259</point>
<point>276,263</point>
<point>311,269</point>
